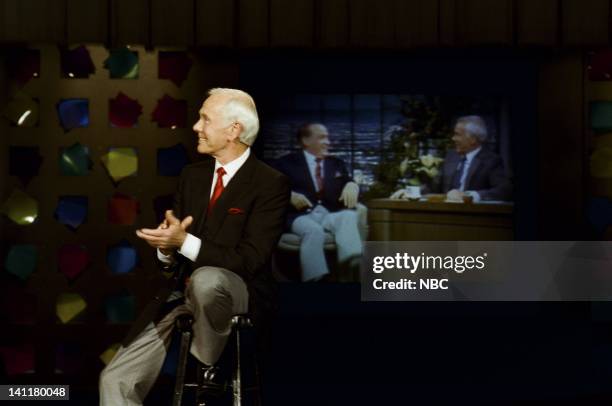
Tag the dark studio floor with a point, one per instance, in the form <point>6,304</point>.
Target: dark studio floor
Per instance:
<point>331,349</point>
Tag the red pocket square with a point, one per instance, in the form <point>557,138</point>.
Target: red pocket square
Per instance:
<point>235,210</point>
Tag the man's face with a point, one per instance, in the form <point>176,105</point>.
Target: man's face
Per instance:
<point>213,130</point>
<point>317,142</point>
<point>464,142</point>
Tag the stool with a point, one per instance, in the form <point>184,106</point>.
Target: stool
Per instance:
<point>206,375</point>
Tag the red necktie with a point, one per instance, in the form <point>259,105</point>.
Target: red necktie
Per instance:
<point>218,190</point>
<point>319,176</point>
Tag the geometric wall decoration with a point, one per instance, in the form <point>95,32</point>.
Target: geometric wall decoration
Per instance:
<point>69,306</point>
<point>71,211</point>
<point>72,259</point>
<point>120,308</point>
<point>170,161</point>
<point>76,63</point>
<point>122,63</point>
<point>170,113</point>
<point>23,64</point>
<point>18,359</point>
<point>122,209</point>
<point>20,208</point>
<point>174,66</point>
<point>123,112</point>
<point>122,257</point>
<point>73,113</point>
<point>50,280</point>
<point>74,160</point>
<point>22,110</point>
<point>21,260</point>
<point>121,162</point>
<point>109,353</point>
<point>24,162</point>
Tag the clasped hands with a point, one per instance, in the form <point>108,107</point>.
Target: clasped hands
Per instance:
<point>169,235</point>
<point>349,197</point>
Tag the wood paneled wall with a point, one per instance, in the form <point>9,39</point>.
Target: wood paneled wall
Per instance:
<point>561,147</point>
<point>309,23</point>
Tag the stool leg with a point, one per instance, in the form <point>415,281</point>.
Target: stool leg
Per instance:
<point>182,364</point>
<point>237,378</point>
<point>257,400</point>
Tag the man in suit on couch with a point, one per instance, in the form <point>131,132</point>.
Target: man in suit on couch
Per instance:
<point>228,215</point>
<point>323,198</point>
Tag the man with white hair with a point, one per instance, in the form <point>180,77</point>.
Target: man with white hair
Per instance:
<point>471,169</point>
<point>234,207</point>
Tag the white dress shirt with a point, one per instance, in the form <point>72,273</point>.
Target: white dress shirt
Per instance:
<point>469,157</point>
<point>192,244</point>
<point>311,161</point>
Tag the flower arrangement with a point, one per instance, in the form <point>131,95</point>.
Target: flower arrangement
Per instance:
<point>424,168</point>
<point>412,157</point>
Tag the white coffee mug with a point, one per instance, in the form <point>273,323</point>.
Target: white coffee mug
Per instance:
<point>413,192</point>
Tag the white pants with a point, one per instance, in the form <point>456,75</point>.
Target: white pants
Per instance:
<point>311,228</point>
<point>212,296</point>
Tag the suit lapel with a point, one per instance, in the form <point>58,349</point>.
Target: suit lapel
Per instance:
<point>451,170</point>
<point>201,196</point>
<point>234,189</point>
<point>306,173</point>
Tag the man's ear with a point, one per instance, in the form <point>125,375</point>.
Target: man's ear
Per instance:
<point>235,131</point>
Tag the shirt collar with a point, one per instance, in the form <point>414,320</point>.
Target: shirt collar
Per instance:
<point>310,158</point>
<point>232,167</point>
<point>470,155</point>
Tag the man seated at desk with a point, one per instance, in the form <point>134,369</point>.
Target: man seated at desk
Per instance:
<point>471,169</point>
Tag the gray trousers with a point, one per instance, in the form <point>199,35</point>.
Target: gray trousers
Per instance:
<point>312,227</point>
<point>212,296</point>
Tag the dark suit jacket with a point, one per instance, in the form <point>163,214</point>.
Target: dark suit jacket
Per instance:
<point>335,177</point>
<point>240,240</point>
<point>486,175</point>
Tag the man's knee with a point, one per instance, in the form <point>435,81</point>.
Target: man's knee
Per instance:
<point>314,232</point>
<point>108,377</point>
<point>208,283</point>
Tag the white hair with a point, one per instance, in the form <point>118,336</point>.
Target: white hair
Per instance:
<point>474,126</point>
<point>240,108</point>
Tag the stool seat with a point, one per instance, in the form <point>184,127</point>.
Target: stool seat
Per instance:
<point>210,382</point>
<point>291,242</point>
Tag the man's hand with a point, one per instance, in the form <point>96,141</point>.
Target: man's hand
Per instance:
<point>399,194</point>
<point>162,226</point>
<point>349,195</point>
<point>299,201</point>
<point>455,195</point>
<point>169,235</point>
